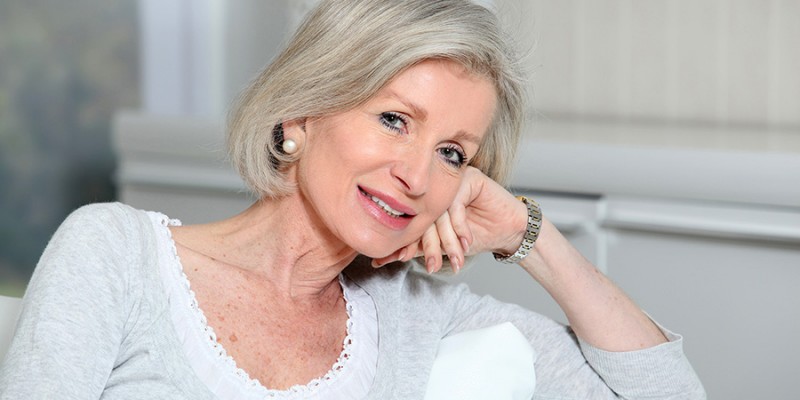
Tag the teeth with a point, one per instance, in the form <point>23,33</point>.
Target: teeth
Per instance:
<point>389,210</point>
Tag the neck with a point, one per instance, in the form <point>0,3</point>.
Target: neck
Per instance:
<point>284,243</point>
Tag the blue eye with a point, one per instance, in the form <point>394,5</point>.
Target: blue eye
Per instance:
<point>393,121</point>
<point>453,155</point>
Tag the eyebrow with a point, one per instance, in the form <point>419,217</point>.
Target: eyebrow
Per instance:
<point>464,135</point>
<point>418,111</point>
<point>422,114</point>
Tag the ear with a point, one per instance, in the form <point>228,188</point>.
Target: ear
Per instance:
<point>295,129</point>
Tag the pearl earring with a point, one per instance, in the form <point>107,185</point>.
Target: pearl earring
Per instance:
<point>289,146</point>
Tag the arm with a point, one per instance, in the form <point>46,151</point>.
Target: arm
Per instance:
<point>597,310</point>
<point>71,325</point>
<point>634,357</point>
<point>614,335</point>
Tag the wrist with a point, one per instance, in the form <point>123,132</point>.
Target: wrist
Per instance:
<point>518,226</point>
<point>525,234</point>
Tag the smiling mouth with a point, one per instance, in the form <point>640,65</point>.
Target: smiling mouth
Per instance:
<point>385,207</point>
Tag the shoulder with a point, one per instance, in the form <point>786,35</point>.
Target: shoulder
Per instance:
<point>102,214</point>
<point>105,220</point>
<point>98,232</point>
<point>102,246</point>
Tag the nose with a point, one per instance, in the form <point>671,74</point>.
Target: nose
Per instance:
<point>412,170</point>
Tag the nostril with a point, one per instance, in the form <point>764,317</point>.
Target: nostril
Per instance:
<point>414,181</point>
<point>398,172</point>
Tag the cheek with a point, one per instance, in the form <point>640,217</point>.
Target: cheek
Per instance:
<point>335,159</point>
<point>347,144</point>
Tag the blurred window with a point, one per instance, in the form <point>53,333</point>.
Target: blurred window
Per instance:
<point>65,67</point>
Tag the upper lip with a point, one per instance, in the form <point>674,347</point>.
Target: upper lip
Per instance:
<point>389,200</point>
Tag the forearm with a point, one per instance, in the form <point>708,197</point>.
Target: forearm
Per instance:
<point>598,311</point>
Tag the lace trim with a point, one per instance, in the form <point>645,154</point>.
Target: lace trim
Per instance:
<point>230,363</point>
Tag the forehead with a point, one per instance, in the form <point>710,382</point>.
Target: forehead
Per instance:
<point>443,92</point>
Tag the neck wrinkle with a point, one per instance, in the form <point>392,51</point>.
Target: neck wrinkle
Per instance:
<point>283,242</point>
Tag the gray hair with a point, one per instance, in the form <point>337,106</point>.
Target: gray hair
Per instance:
<point>345,51</point>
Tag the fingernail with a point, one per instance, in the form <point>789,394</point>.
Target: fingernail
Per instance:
<point>455,263</point>
<point>464,245</point>
<point>402,254</point>
<point>374,263</point>
<point>430,264</point>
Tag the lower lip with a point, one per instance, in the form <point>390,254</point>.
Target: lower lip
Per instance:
<point>396,223</point>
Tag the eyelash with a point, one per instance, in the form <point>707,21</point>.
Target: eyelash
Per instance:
<point>385,120</point>
<point>462,158</point>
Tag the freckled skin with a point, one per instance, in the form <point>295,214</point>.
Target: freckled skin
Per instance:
<point>286,344</point>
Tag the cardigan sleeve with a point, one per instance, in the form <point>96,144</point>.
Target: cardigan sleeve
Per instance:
<point>568,368</point>
<point>73,314</point>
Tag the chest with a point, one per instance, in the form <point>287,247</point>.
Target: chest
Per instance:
<point>281,343</point>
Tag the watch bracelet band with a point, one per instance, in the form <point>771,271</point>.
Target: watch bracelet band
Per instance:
<point>531,233</point>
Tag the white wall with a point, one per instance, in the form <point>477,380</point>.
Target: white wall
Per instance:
<point>703,61</point>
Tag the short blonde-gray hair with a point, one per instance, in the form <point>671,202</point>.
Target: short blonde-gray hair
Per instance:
<point>345,51</point>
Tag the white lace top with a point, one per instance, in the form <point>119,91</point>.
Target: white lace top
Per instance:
<point>350,377</point>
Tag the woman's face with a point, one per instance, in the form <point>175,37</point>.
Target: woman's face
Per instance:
<point>379,175</point>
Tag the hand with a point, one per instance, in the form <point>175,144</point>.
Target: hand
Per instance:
<point>484,216</point>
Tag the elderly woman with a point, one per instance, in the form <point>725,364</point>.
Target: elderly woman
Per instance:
<point>384,131</point>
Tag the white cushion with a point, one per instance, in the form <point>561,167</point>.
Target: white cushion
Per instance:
<point>9,312</point>
<point>490,363</point>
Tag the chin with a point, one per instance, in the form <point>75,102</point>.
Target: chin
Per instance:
<point>375,243</point>
<point>372,252</point>
<point>375,247</point>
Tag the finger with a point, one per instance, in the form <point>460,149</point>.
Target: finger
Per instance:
<point>412,250</point>
<point>432,250</point>
<point>458,210</point>
<point>449,242</point>
<point>379,262</point>
<point>402,254</point>
<point>460,226</point>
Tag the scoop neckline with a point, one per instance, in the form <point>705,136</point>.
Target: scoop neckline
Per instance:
<point>227,362</point>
